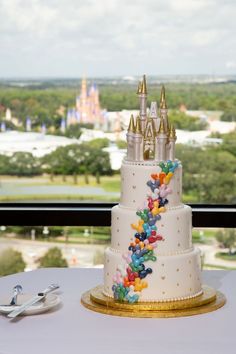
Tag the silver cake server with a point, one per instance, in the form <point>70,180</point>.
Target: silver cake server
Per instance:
<point>32,301</point>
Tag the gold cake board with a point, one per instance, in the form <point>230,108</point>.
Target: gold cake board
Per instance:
<point>210,300</point>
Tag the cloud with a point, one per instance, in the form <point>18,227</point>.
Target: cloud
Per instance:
<point>59,38</point>
<point>230,64</point>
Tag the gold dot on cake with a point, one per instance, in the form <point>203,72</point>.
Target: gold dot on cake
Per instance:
<point>162,225</point>
<point>133,201</point>
<point>190,289</point>
<point>177,217</point>
<point>117,218</point>
<point>133,174</point>
<point>177,284</point>
<point>177,270</point>
<point>190,275</point>
<point>190,261</point>
<point>163,292</point>
<point>118,244</point>
<point>118,230</point>
<point>178,244</point>
<point>163,278</point>
<point>178,231</point>
<point>107,273</point>
<point>134,187</point>
<point>163,264</point>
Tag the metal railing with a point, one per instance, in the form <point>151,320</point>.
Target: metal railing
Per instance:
<point>99,214</point>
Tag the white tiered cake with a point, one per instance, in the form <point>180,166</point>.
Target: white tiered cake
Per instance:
<point>151,257</point>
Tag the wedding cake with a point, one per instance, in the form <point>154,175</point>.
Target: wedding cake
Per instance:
<point>151,257</point>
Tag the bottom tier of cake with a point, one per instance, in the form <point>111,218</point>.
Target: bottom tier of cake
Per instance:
<point>174,277</point>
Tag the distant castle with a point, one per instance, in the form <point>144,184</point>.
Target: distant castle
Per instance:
<point>87,108</point>
<point>150,137</point>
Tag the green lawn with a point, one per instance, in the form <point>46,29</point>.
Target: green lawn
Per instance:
<point>226,256</point>
<point>75,197</point>
<point>107,183</point>
<point>203,236</point>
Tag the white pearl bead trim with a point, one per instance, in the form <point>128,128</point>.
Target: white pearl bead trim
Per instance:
<point>180,206</point>
<point>164,300</point>
<point>145,163</point>
<point>159,254</point>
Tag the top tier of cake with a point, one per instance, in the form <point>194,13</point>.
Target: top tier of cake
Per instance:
<point>134,189</point>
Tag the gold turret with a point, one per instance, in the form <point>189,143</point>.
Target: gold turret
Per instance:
<point>138,129</point>
<point>172,132</point>
<point>131,124</point>
<point>139,90</point>
<point>162,126</point>
<point>144,86</point>
<point>163,99</point>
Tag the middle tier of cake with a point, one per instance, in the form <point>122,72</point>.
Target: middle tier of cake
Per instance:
<point>175,226</point>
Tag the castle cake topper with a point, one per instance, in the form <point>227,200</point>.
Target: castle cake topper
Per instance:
<point>150,136</point>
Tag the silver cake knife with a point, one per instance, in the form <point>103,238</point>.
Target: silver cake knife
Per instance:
<point>32,301</point>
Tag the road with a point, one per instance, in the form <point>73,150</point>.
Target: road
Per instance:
<point>209,252</point>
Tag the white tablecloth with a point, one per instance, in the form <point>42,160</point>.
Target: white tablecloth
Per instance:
<point>73,329</point>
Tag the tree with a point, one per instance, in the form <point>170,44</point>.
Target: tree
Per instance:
<point>121,144</point>
<point>229,143</point>
<point>53,258</point>
<point>73,131</point>
<point>23,164</point>
<point>99,143</point>
<point>98,162</point>
<point>77,159</point>
<point>11,262</point>
<point>218,176</point>
<point>4,165</point>
<point>185,122</point>
<point>227,239</point>
<point>229,116</point>
<point>208,174</point>
<point>65,160</point>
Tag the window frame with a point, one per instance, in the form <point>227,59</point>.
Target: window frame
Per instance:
<point>99,214</point>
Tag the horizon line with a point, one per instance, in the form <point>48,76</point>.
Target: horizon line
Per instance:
<point>127,77</point>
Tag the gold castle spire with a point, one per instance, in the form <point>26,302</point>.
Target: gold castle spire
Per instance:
<point>172,132</point>
<point>139,90</point>
<point>163,98</point>
<point>162,126</point>
<point>138,129</point>
<point>131,124</point>
<point>144,85</point>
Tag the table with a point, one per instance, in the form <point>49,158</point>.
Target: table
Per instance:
<point>73,329</point>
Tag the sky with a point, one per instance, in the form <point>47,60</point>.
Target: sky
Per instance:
<point>95,38</point>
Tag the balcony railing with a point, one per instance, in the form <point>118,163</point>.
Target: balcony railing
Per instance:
<point>99,214</point>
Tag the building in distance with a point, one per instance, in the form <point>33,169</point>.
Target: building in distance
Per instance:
<point>87,108</point>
